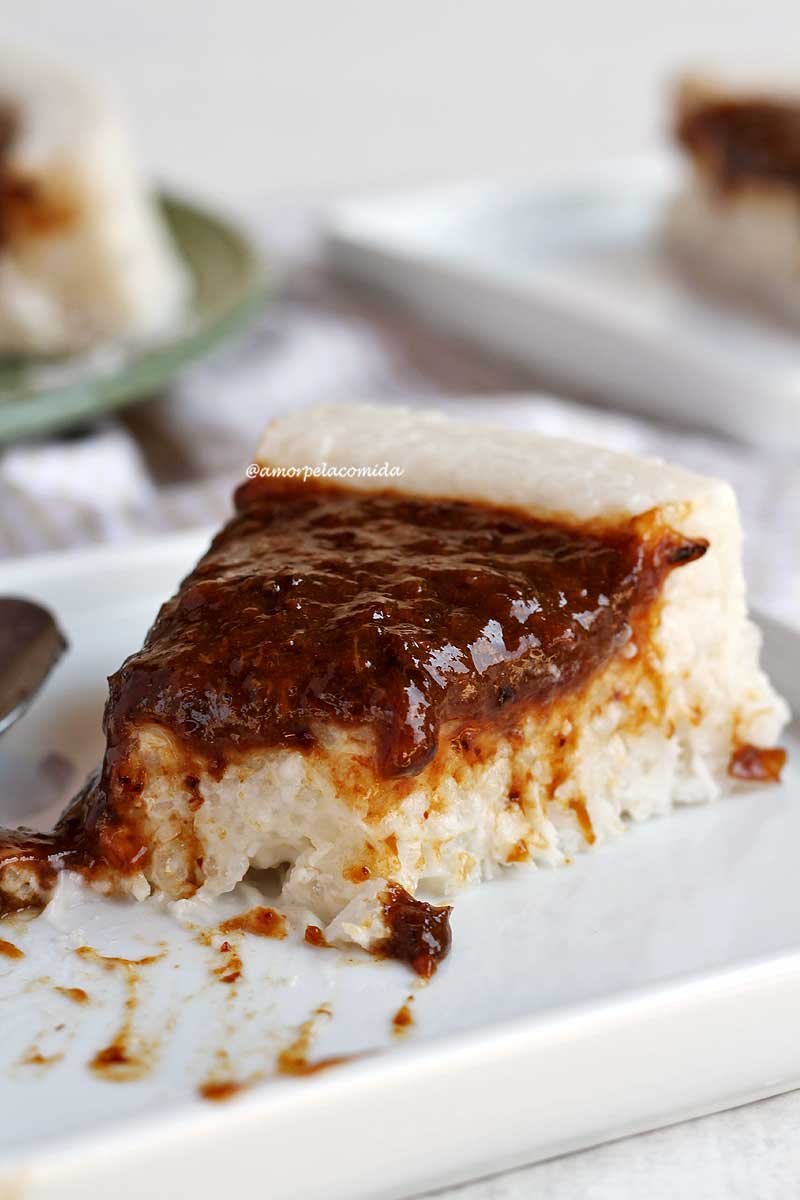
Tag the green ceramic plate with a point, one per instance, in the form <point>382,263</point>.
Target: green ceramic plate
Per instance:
<point>41,395</point>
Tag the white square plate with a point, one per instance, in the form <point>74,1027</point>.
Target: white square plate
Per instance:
<point>567,276</point>
<point>655,979</point>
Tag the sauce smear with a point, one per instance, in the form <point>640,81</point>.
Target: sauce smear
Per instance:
<point>9,950</point>
<point>261,921</point>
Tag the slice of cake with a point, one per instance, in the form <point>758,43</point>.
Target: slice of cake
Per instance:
<point>736,222</point>
<point>84,254</point>
<point>496,661</point>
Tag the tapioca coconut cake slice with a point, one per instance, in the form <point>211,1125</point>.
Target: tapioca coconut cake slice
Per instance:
<point>494,663</point>
<point>735,223</point>
<point>84,255</point>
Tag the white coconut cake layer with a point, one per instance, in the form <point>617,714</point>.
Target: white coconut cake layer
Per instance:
<point>84,254</point>
<point>744,239</point>
<point>653,728</point>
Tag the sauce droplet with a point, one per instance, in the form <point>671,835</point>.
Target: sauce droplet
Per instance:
<point>757,764</point>
<point>403,1018</point>
<point>419,933</point>
<point>220,1089</point>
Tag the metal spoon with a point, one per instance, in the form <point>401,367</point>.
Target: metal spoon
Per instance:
<point>30,645</point>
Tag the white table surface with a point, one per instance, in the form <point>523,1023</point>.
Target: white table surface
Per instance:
<point>248,99</point>
<point>744,1154</point>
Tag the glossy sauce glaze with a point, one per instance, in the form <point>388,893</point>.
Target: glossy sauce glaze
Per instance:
<point>317,606</point>
<point>744,140</point>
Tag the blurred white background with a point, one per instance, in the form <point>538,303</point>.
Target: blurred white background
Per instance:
<point>240,98</point>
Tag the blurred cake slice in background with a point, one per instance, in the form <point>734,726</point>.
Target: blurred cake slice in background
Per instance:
<point>84,255</point>
<point>736,222</point>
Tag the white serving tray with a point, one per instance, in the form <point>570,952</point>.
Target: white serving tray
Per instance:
<point>657,979</point>
<point>567,276</point>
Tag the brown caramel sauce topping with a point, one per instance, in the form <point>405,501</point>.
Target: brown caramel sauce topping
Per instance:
<point>319,605</point>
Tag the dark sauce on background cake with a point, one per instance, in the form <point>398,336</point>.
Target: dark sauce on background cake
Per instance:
<point>744,140</point>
